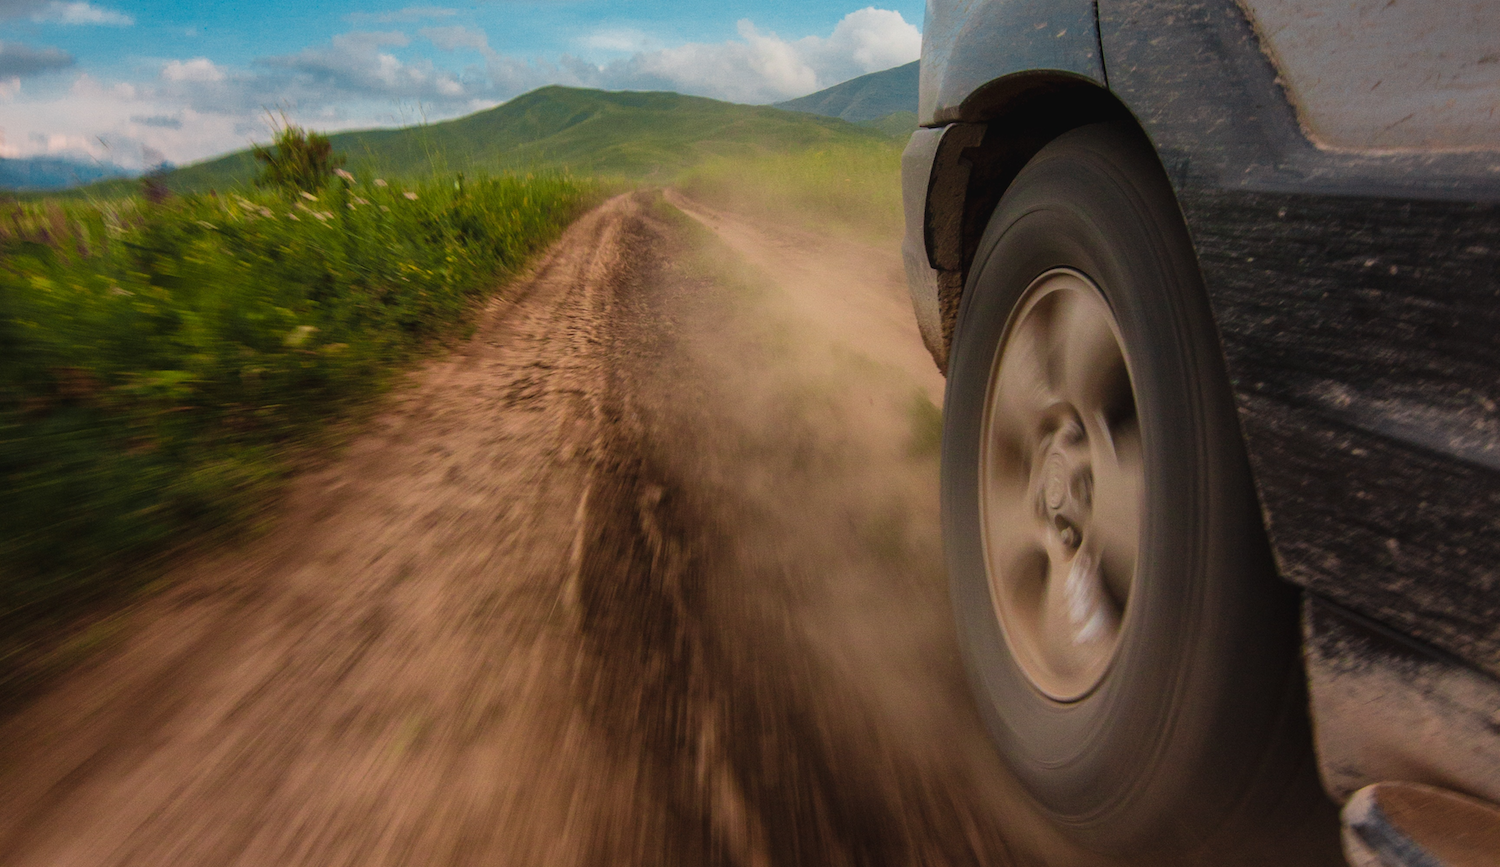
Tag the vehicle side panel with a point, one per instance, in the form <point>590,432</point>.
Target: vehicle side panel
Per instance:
<point>1377,75</point>
<point>962,49</point>
<point>1358,300</point>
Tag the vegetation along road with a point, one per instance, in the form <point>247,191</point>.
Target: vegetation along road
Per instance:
<point>645,572</point>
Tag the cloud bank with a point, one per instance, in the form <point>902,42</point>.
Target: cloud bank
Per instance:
<point>193,107</point>
<point>63,12</point>
<point>23,61</point>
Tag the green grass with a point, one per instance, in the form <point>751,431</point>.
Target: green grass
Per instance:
<point>632,135</point>
<point>899,125</point>
<point>847,186</point>
<point>160,364</point>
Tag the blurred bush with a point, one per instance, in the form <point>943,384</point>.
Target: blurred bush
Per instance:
<point>158,361</point>
<point>297,160</point>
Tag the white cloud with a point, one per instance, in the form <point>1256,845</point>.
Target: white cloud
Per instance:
<point>622,40</point>
<point>60,12</point>
<point>868,40</point>
<point>758,67</point>
<point>197,69</point>
<point>100,120</point>
<point>410,13</point>
<point>456,37</point>
<point>64,143</point>
<point>353,65</point>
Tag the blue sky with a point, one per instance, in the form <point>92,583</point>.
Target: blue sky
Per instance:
<point>137,82</point>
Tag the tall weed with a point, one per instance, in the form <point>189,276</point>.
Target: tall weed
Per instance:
<point>158,361</point>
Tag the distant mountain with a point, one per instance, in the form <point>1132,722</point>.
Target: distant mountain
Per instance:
<point>54,173</point>
<point>626,134</point>
<point>869,97</point>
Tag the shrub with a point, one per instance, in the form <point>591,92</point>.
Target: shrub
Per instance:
<point>299,160</point>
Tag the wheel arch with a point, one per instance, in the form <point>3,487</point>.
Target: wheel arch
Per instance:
<point>1000,126</point>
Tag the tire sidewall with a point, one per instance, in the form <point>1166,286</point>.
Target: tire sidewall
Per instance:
<point>1121,767</point>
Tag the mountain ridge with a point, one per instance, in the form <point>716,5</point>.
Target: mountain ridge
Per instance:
<point>45,173</point>
<point>867,98</point>
<point>638,135</point>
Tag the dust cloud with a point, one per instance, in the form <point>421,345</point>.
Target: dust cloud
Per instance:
<point>787,409</point>
<point>647,572</point>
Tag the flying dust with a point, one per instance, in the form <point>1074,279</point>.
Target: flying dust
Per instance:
<point>648,572</point>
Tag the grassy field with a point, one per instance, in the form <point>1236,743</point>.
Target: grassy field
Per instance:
<point>845,187</point>
<point>161,363</point>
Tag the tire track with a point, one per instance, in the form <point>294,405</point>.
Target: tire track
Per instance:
<point>617,582</point>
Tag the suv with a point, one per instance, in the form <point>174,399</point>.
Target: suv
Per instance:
<point>1216,288</point>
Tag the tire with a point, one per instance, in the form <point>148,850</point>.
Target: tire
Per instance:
<point>1186,729</point>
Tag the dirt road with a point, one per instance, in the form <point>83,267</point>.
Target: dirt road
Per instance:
<point>646,573</point>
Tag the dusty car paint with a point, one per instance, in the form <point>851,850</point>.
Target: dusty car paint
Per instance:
<point>1378,75</point>
<point>960,52</point>
<point>1357,301</point>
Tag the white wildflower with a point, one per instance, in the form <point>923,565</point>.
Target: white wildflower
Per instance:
<point>345,175</point>
<point>309,196</point>
<point>410,195</point>
<point>379,182</point>
<point>298,336</point>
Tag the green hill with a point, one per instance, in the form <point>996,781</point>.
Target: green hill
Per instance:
<point>628,134</point>
<point>867,98</point>
<point>897,124</point>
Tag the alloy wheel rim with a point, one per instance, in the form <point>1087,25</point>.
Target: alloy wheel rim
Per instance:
<point>1061,483</point>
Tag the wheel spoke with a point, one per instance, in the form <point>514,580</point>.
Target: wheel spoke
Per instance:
<point>1115,514</point>
<point>1087,360</point>
<point>1015,537</point>
<point>1081,622</point>
<point>1022,395</point>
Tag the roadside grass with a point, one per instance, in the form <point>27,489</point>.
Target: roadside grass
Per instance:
<point>850,187</point>
<point>162,363</point>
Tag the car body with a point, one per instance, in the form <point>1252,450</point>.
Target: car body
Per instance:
<point>1337,166</point>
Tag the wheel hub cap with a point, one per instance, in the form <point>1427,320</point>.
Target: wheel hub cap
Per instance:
<point>1060,485</point>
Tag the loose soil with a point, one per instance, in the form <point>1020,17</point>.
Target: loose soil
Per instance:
<point>647,572</point>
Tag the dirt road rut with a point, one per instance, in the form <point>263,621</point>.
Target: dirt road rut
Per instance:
<point>647,572</point>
